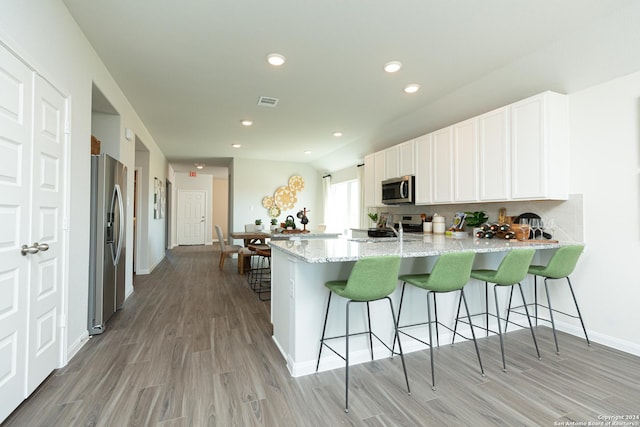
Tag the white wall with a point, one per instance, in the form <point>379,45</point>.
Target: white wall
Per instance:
<point>252,180</point>
<point>45,36</point>
<point>605,167</point>
<point>220,205</point>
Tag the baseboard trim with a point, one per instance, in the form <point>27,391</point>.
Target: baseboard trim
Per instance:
<point>75,347</point>
<point>606,340</point>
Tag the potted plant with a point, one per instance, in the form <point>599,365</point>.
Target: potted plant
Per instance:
<point>373,216</point>
<point>258,223</point>
<point>274,223</point>
<point>476,219</point>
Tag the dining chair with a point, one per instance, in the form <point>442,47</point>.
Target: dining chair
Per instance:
<point>225,250</point>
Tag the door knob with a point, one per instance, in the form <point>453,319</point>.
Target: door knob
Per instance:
<point>27,250</point>
<point>34,249</point>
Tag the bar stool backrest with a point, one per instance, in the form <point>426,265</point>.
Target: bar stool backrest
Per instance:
<point>450,272</point>
<point>514,267</point>
<point>562,262</point>
<point>372,278</point>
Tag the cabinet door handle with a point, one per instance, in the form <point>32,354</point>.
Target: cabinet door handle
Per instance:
<point>43,247</point>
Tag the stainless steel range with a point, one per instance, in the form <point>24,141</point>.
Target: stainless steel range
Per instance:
<point>411,223</point>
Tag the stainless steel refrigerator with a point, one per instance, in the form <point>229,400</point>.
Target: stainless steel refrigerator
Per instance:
<point>107,250</point>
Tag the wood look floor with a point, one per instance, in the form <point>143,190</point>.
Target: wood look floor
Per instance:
<point>192,347</point>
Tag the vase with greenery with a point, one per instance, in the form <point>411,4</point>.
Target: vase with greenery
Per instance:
<point>373,216</point>
<point>258,223</point>
<point>274,223</point>
<point>476,219</point>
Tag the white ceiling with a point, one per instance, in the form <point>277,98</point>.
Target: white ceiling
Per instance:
<point>193,70</point>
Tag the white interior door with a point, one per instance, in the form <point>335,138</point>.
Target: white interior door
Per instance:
<point>49,152</point>
<point>191,217</point>
<point>32,184</point>
<point>15,186</point>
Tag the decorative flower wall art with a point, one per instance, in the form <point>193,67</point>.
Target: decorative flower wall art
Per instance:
<point>285,197</point>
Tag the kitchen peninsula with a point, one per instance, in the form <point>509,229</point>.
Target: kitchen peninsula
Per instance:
<point>300,269</point>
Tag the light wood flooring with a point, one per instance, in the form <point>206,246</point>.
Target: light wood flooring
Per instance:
<point>192,347</point>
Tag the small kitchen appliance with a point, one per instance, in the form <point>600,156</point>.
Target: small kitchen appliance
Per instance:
<point>398,191</point>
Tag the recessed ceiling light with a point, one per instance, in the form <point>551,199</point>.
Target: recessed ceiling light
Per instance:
<point>337,134</point>
<point>199,165</point>
<point>412,88</point>
<point>236,145</point>
<point>276,59</point>
<point>246,122</point>
<point>393,66</point>
<point>308,152</point>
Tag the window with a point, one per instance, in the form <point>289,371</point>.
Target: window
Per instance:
<point>344,207</point>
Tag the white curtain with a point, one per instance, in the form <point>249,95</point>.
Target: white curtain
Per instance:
<point>326,188</point>
<point>364,219</point>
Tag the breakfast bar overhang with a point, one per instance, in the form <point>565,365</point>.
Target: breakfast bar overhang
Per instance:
<point>300,269</point>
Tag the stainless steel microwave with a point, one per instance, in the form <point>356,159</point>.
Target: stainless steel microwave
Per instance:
<point>398,191</point>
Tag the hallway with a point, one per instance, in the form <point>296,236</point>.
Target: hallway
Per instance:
<point>192,347</point>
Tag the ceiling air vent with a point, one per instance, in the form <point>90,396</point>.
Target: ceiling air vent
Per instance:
<point>266,101</point>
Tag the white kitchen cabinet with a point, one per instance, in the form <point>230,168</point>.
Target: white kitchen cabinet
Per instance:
<point>369,180</point>
<point>423,181</point>
<point>380,175</point>
<point>517,152</point>
<point>465,161</point>
<point>442,165</point>
<point>540,148</point>
<point>494,155</point>
<point>391,162</point>
<point>374,174</point>
<point>406,158</point>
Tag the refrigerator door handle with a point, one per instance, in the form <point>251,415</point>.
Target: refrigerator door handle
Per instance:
<point>117,198</point>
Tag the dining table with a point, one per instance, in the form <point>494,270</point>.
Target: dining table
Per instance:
<point>251,237</point>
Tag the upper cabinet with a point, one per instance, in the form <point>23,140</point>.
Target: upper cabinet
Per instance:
<point>406,158</point>
<point>399,160</point>
<point>423,171</point>
<point>494,156</point>
<point>465,161</point>
<point>518,152</point>
<point>391,162</point>
<point>442,165</point>
<point>374,174</point>
<point>540,147</point>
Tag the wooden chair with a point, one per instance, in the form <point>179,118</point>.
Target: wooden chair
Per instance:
<point>225,249</point>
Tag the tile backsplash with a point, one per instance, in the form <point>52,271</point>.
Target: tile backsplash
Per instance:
<point>567,214</point>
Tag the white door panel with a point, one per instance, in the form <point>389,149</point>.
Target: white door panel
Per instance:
<point>32,200</point>
<point>15,155</point>
<point>191,217</point>
<point>48,204</point>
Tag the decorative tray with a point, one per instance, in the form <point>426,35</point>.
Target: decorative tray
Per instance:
<point>294,231</point>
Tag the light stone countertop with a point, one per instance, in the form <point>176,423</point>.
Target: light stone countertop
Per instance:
<point>310,235</point>
<point>412,246</point>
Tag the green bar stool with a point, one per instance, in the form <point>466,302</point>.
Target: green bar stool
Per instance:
<point>450,273</point>
<point>560,266</point>
<point>511,271</point>
<point>371,279</point>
